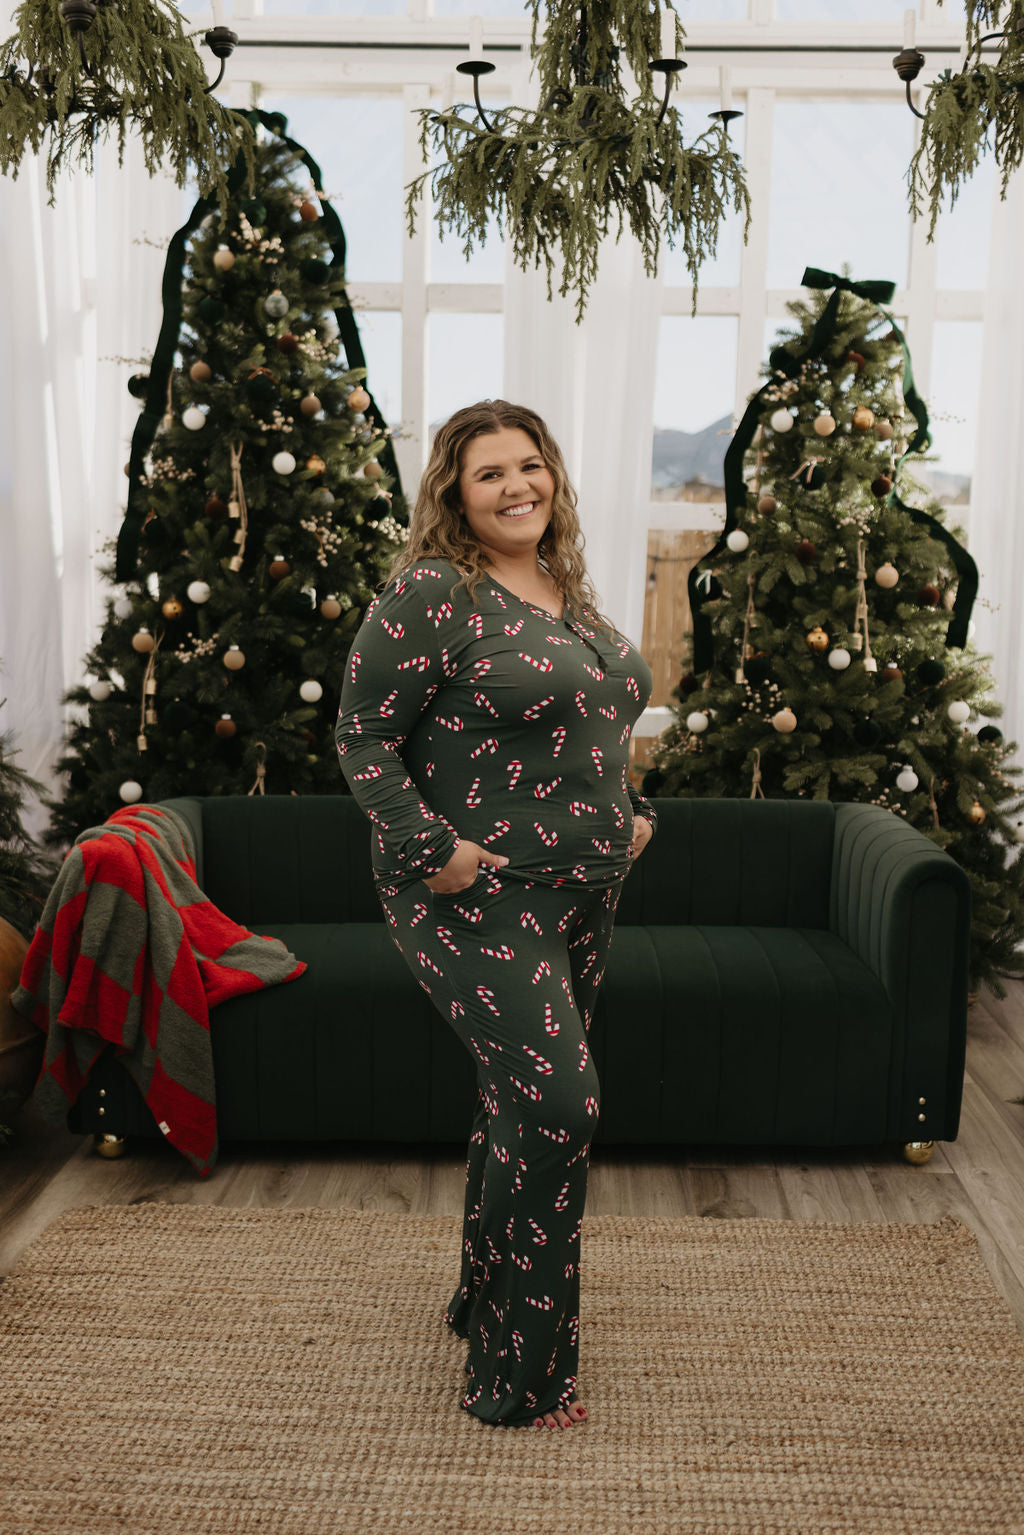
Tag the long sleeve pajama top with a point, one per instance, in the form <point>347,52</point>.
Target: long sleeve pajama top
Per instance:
<point>487,719</point>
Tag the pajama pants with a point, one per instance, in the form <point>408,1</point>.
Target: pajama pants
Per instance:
<point>514,968</point>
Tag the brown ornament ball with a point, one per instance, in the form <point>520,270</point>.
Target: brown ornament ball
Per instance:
<point>215,507</point>
<point>881,486</point>
<point>288,342</point>
<point>143,642</point>
<point>223,259</point>
<point>688,683</point>
<point>172,608</point>
<point>200,372</point>
<point>928,596</point>
<point>310,405</point>
<point>856,359</point>
<point>372,469</point>
<point>308,211</point>
<point>225,727</point>
<point>889,674</point>
<point>315,464</point>
<point>766,504</point>
<point>330,607</point>
<point>234,658</point>
<point>805,552</point>
<point>817,639</point>
<point>279,567</point>
<point>883,430</point>
<point>358,399</point>
<point>976,814</point>
<point>863,418</point>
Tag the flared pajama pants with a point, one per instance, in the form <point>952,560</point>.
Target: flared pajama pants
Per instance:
<point>514,968</point>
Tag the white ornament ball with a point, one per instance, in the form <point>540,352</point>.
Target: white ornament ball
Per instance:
<point>283,462</point>
<point>122,607</point>
<point>784,721</point>
<point>887,576</point>
<point>197,591</point>
<point>781,420</point>
<point>100,690</point>
<point>223,259</point>
<point>907,780</point>
<point>738,541</point>
<point>276,304</point>
<point>130,791</point>
<point>824,424</point>
<point>697,722</point>
<point>193,418</point>
<point>959,711</point>
<point>839,659</point>
<point>311,691</point>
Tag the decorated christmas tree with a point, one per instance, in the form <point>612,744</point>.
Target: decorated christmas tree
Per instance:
<point>26,872</point>
<point>831,657</point>
<point>263,511</point>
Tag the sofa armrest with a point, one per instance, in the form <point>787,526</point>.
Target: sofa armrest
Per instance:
<point>904,907</point>
<point>191,812</point>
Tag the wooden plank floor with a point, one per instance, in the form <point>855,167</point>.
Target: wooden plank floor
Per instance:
<point>979,1177</point>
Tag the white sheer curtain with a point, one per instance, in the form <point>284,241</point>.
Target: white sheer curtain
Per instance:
<point>83,290</point>
<point>997,530</point>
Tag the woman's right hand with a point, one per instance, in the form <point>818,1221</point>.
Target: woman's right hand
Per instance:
<point>462,868</point>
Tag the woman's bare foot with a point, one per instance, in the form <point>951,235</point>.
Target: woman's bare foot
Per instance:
<point>560,1418</point>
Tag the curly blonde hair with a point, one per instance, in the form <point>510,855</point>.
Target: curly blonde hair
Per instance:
<point>438,530</point>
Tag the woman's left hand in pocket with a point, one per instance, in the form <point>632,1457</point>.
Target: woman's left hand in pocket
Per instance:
<point>642,834</point>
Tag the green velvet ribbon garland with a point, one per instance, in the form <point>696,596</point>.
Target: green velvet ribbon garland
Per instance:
<point>787,363</point>
<point>167,343</point>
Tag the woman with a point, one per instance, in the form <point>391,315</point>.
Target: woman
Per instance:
<point>484,729</point>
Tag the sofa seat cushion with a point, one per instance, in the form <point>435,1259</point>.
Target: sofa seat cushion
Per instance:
<point>784,1036</point>
<point>351,1050</point>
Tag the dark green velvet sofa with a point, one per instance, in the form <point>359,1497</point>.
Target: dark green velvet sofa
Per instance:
<point>782,973</point>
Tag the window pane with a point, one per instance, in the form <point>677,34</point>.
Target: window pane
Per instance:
<point>380,332</point>
<point>840,10</point>
<point>723,270</point>
<point>447,261</point>
<point>479,8</point>
<point>365,189</point>
<point>694,393</point>
<point>331,7</point>
<point>465,361</point>
<point>952,404</point>
<point>711,10</point>
<point>838,196</point>
<point>963,233</point>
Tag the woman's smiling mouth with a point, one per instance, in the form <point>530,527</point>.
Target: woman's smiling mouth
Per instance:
<point>521,510</point>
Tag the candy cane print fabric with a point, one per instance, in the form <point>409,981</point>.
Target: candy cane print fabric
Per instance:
<point>487,718</point>
<point>514,967</point>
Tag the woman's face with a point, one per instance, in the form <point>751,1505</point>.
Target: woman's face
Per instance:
<point>506,491</point>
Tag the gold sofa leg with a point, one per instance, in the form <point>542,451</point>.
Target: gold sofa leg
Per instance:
<point>918,1152</point>
<point>109,1145</point>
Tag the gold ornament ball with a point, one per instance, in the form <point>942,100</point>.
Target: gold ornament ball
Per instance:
<point>358,399</point>
<point>817,639</point>
<point>372,469</point>
<point>863,418</point>
<point>825,424</point>
<point>223,259</point>
<point>308,211</point>
<point>331,607</point>
<point>784,721</point>
<point>917,1153</point>
<point>310,405</point>
<point>976,814</point>
<point>315,464</point>
<point>225,727</point>
<point>883,431</point>
<point>109,1146</point>
<point>766,505</point>
<point>172,608</point>
<point>143,642</point>
<point>886,576</point>
<point>279,567</point>
<point>200,372</point>
<point>234,659</point>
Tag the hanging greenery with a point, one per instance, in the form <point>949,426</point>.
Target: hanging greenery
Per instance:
<point>561,177</point>
<point>980,108</point>
<point>144,75</point>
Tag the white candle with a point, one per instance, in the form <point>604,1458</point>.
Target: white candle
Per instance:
<point>725,87</point>
<point>909,20</point>
<point>668,33</point>
<point>476,38</point>
<point>218,13</point>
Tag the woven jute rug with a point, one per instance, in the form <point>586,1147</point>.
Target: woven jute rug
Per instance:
<point>179,1370</point>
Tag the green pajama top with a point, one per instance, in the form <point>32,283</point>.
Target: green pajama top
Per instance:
<point>486,718</point>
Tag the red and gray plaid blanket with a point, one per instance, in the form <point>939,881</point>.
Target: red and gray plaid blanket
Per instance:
<point>130,953</point>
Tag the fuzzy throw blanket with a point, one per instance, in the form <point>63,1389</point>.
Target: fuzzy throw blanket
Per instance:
<point>130,953</point>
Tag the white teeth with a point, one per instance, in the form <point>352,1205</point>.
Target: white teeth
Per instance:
<point>518,511</point>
